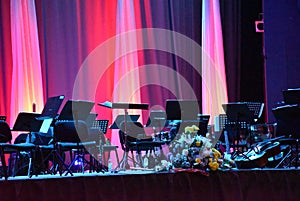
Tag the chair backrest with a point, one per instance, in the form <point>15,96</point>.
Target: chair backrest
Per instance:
<point>134,131</point>
<point>3,118</point>
<point>70,131</point>
<point>5,132</point>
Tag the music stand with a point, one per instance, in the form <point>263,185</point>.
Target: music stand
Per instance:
<point>291,96</point>
<point>76,110</point>
<point>51,107</point>
<point>121,118</point>
<point>182,109</point>
<point>238,113</point>
<point>27,122</point>
<point>257,109</point>
<point>288,120</point>
<point>101,125</point>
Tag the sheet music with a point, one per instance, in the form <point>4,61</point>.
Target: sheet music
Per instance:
<point>45,125</point>
<point>217,124</point>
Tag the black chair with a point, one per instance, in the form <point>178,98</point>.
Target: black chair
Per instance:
<point>134,139</point>
<point>14,150</point>
<point>71,136</point>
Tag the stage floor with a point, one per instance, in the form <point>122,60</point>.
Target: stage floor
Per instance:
<point>85,174</point>
<point>131,185</point>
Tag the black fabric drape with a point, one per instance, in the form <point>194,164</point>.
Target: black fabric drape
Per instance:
<point>243,48</point>
<point>248,185</point>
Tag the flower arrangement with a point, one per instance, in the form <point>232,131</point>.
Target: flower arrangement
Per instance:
<point>192,151</point>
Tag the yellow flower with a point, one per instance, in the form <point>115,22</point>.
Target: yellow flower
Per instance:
<point>195,127</point>
<point>191,129</point>
<point>216,153</point>
<point>198,160</point>
<point>198,143</point>
<point>213,165</point>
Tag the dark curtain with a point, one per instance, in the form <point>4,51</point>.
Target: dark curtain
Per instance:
<point>5,59</point>
<point>243,48</point>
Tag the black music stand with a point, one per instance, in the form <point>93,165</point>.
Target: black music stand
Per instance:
<point>51,107</point>
<point>121,119</point>
<point>257,109</point>
<point>291,96</point>
<point>238,113</point>
<point>76,110</point>
<point>27,122</point>
<point>97,129</point>
<point>182,109</point>
<point>288,120</point>
<point>100,124</point>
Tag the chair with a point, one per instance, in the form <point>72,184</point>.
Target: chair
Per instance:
<point>7,148</point>
<point>134,139</point>
<point>72,136</point>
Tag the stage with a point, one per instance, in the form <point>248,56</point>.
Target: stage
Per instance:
<point>231,185</point>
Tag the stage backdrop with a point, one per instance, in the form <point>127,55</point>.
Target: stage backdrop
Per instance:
<point>126,51</point>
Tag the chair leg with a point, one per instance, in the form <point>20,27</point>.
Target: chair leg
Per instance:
<point>4,167</point>
<point>11,159</point>
<point>57,162</point>
<point>32,164</point>
<point>29,167</point>
<point>45,158</point>
<point>15,165</point>
<point>124,162</point>
<point>117,156</point>
<point>61,160</point>
<point>133,160</point>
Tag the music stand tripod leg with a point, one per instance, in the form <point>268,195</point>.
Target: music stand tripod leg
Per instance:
<point>100,167</point>
<point>124,162</point>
